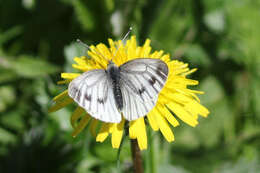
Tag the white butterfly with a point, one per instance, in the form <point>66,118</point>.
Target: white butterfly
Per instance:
<point>131,89</point>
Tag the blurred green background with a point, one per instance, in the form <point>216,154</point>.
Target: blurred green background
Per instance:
<point>219,37</point>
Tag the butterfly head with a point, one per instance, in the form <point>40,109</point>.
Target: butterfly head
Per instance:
<point>111,63</point>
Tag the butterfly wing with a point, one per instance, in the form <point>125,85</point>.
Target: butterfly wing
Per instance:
<point>92,91</point>
<point>141,81</point>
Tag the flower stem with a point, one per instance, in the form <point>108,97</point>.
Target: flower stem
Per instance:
<point>136,156</point>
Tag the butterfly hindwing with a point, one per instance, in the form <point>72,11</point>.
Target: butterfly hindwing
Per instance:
<point>92,91</point>
<point>141,81</point>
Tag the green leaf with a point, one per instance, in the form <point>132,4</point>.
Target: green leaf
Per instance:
<point>31,67</point>
<point>255,97</point>
<point>87,163</point>
<point>220,120</point>
<point>6,137</point>
<point>170,26</point>
<point>186,138</point>
<point>243,165</point>
<point>214,92</point>
<point>10,34</point>
<point>8,75</point>
<point>104,149</point>
<point>221,117</point>
<point>243,38</point>
<point>13,120</point>
<point>215,4</point>
<point>167,168</point>
<point>7,94</point>
<point>84,15</point>
<point>196,55</point>
<point>110,4</point>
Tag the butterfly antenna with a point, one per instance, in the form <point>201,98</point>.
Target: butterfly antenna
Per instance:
<point>88,47</point>
<point>126,35</point>
<point>83,44</point>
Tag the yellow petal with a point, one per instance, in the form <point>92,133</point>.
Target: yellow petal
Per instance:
<point>142,136</point>
<point>105,51</point>
<point>160,53</point>
<point>60,104</point>
<point>180,98</point>
<point>132,128</point>
<point>117,134</point>
<point>164,127</point>
<point>82,124</point>
<point>131,51</point>
<point>182,114</point>
<point>189,92</point>
<point>80,67</point>
<point>197,108</point>
<point>112,46</point>
<point>101,63</point>
<point>103,133</point>
<point>191,82</point>
<point>93,127</point>
<point>80,61</point>
<point>146,49</point>
<point>69,75</point>
<point>137,130</point>
<point>64,81</point>
<point>189,72</point>
<point>194,91</point>
<point>120,54</point>
<point>165,58</point>
<point>61,96</point>
<point>138,52</point>
<point>165,113</point>
<point>154,55</point>
<point>152,120</point>
<point>75,116</point>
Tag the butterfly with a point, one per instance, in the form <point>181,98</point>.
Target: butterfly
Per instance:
<point>130,90</point>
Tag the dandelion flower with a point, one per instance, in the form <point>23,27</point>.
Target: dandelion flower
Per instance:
<point>174,100</point>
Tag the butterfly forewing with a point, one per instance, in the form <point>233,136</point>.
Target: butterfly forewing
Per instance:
<point>93,91</point>
<point>141,81</point>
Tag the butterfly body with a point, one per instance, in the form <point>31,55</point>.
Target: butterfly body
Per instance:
<point>114,76</point>
<point>131,89</point>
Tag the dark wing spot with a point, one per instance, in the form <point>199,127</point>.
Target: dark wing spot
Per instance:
<point>160,71</point>
<point>88,97</point>
<point>152,80</point>
<point>77,94</point>
<point>74,91</point>
<point>142,90</point>
<point>101,101</point>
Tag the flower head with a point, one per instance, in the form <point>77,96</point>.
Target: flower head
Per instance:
<point>175,99</point>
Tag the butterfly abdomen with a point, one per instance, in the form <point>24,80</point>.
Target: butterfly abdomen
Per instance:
<point>114,75</point>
